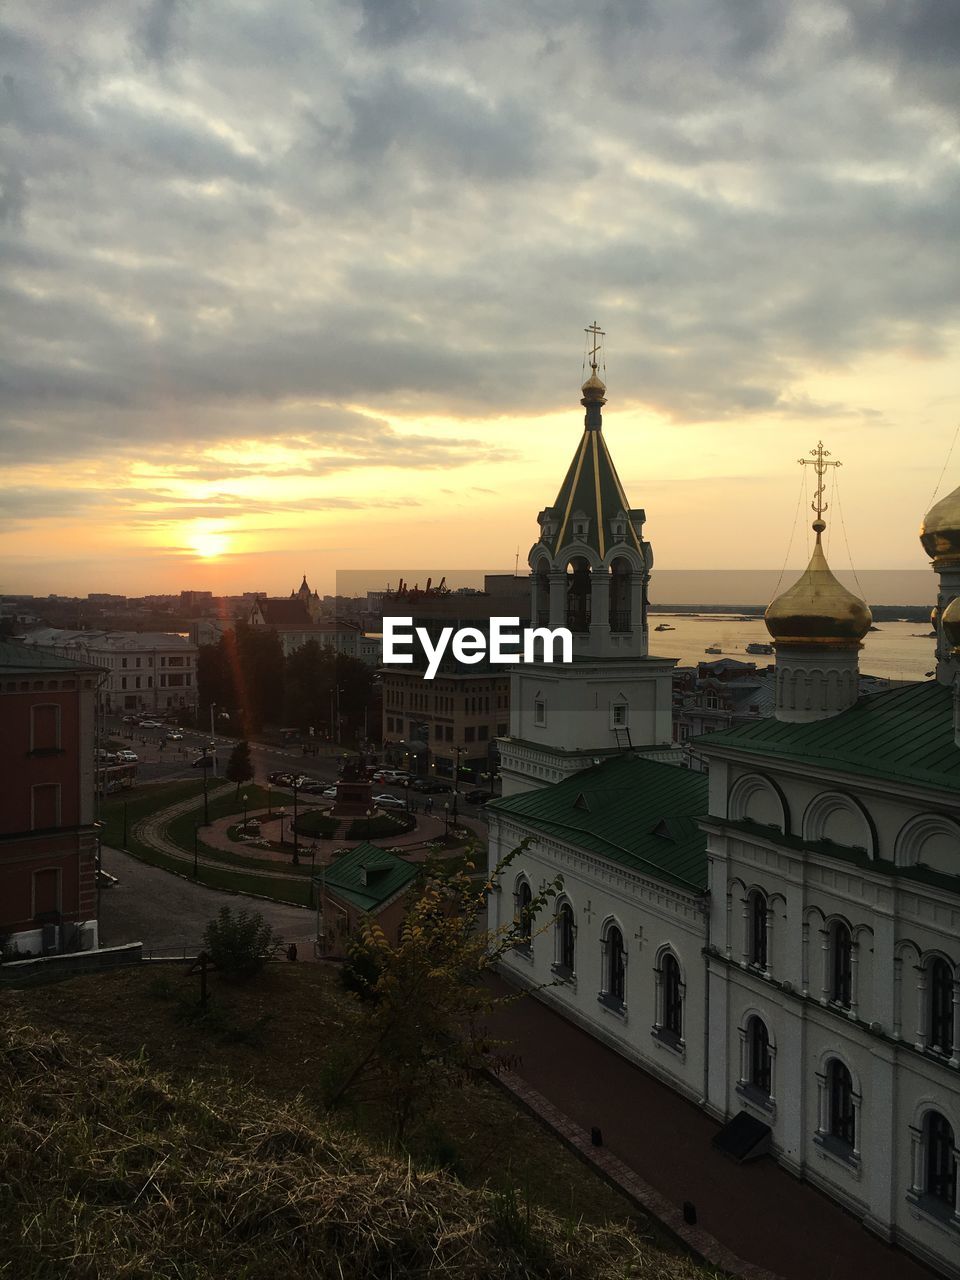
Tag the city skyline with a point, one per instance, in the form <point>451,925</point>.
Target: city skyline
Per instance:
<point>285,290</point>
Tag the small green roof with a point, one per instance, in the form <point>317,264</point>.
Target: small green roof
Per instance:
<point>386,875</point>
<point>903,735</point>
<point>634,811</point>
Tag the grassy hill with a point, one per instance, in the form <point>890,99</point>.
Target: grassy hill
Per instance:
<point>136,1142</point>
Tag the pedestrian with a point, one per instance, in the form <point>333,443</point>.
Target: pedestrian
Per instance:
<point>428,807</point>
<point>292,951</point>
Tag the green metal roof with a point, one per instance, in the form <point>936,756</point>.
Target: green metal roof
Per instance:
<point>16,657</point>
<point>591,487</point>
<point>904,735</point>
<point>386,875</point>
<point>634,811</point>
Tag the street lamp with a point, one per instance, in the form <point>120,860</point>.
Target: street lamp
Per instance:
<point>313,864</point>
<point>196,836</point>
<point>369,816</point>
<point>282,814</point>
<point>245,798</point>
<point>296,834</point>
<point>446,820</point>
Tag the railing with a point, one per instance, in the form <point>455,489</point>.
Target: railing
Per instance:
<point>619,619</point>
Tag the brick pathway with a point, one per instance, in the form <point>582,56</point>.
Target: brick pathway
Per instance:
<point>758,1211</point>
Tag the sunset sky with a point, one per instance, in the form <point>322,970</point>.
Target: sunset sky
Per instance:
<point>297,287</point>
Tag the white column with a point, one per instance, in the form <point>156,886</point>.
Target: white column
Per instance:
<point>745,940</point>
<point>854,978</point>
<point>916,1160</point>
<point>727,950</point>
<point>658,998</point>
<point>921,1040</point>
<point>558,597</point>
<point>856,1124</point>
<point>825,959</point>
<point>823,1105</point>
<point>955,1048</point>
<point>744,1056</point>
<point>599,610</point>
<point>805,957</point>
<point>768,967</point>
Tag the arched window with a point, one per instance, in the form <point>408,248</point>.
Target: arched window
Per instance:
<point>841,964</point>
<point>620,619</point>
<point>672,1020</point>
<point>842,1116</point>
<point>758,1055</point>
<point>566,938</point>
<point>578,595</point>
<point>940,995</point>
<point>614,968</point>
<point>757,924</point>
<point>524,917</point>
<point>940,1161</point>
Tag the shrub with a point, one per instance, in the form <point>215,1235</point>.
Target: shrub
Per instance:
<point>240,945</point>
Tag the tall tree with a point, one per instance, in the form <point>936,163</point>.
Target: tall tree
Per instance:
<point>240,765</point>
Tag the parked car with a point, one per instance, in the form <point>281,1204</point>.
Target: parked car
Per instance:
<point>128,757</point>
<point>129,719</point>
<point>329,793</point>
<point>150,724</point>
<point>280,779</point>
<point>203,762</point>
<point>433,786</point>
<point>175,735</point>
<point>312,786</point>
<point>106,879</point>
<point>478,796</point>
<point>387,801</point>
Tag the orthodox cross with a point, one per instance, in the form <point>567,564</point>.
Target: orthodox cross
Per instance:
<point>588,910</point>
<point>820,467</point>
<point>596,333</point>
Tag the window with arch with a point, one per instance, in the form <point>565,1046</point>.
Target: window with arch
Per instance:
<point>614,968</point>
<point>524,918</point>
<point>759,1060</point>
<point>671,996</point>
<point>757,926</point>
<point>566,931</point>
<point>939,1159</point>
<point>940,996</point>
<point>841,964</point>
<point>841,1114</point>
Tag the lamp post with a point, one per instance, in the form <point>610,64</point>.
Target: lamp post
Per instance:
<point>269,802</point>
<point>196,837</point>
<point>282,814</point>
<point>296,834</point>
<point>206,810</point>
<point>245,798</point>
<point>369,816</point>
<point>446,820</point>
<point>313,864</point>
<point>212,741</point>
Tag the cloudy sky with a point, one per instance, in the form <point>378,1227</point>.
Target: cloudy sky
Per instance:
<point>303,286</point>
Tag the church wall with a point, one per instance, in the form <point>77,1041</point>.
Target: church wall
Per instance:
<point>651,916</point>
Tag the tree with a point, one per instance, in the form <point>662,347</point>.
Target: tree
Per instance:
<point>240,945</point>
<point>422,1002</point>
<point>240,766</point>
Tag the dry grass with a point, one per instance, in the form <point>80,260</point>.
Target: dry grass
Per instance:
<point>114,1169</point>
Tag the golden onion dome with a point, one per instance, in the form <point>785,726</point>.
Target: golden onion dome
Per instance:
<point>940,530</point>
<point>950,623</point>
<point>593,388</point>
<point>817,609</point>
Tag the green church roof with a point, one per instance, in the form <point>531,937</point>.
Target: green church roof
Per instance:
<point>634,811</point>
<point>368,876</point>
<point>903,735</point>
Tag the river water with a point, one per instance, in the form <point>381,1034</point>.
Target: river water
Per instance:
<point>896,650</point>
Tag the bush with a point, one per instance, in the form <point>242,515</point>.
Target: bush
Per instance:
<point>240,945</point>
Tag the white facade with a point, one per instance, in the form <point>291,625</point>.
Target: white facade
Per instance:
<point>147,671</point>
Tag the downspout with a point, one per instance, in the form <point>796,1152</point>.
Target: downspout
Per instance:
<point>706,1002</point>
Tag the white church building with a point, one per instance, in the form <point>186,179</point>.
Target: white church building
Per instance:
<point>778,940</point>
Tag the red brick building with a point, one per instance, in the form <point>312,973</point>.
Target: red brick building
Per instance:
<point>47,805</point>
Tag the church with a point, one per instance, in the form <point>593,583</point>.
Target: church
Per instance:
<point>777,939</point>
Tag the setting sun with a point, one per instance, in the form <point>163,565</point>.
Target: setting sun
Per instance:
<point>209,544</point>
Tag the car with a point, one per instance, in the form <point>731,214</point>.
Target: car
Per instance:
<point>387,801</point>
<point>203,762</point>
<point>128,757</point>
<point>330,793</point>
<point>280,779</point>
<point>478,796</point>
<point>175,735</point>
<point>150,724</point>
<point>106,879</point>
<point>432,786</point>
<point>129,719</point>
<point>312,786</point>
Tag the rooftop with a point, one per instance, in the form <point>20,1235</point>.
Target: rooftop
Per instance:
<point>632,810</point>
<point>902,735</point>
<point>16,658</point>
<point>368,876</point>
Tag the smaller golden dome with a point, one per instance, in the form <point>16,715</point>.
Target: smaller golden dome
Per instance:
<point>950,623</point>
<point>593,388</point>
<point>940,530</point>
<point>817,609</point>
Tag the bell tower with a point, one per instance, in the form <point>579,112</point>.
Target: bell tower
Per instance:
<point>589,572</point>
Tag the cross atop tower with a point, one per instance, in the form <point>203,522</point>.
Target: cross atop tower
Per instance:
<point>817,461</point>
<point>596,333</point>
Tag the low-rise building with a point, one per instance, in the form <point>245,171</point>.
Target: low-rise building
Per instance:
<point>48,842</point>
